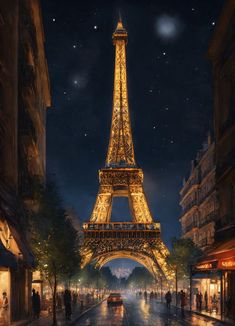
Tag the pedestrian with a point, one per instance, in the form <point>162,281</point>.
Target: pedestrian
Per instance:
<point>182,302</point>
<point>145,295</point>
<point>38,305</point>
<point>206,300</point>
<point>200,301</point>
<point>67,304</point>
<point>4,308</point>
<point>197,301</point>
<point>168,298</point>
<point>34,303</point>
<point>75,299</point>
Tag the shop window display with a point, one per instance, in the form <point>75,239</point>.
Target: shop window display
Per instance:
<point>206,293</point>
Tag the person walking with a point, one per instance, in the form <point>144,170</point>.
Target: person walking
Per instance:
<point>182,302</point>
<point>168,298</point>
<point>206,300</point>
<point>200,301</point>
<point>67,304</point>
<point>34,303</point>
<point>38,305</point>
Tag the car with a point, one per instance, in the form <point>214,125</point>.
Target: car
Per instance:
<point>115,298</point>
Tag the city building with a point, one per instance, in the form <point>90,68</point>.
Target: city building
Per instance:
<point>198,198</point>
<point>24,97</point>
<point>218,265</point>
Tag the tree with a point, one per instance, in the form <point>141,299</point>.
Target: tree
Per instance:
<point>184,253</point>
<point>140,277</point>
<point>54,241</point>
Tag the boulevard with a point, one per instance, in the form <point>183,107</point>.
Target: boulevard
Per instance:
<point>136,311</point>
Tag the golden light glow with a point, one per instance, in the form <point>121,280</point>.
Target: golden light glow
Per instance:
<point>103,241</point>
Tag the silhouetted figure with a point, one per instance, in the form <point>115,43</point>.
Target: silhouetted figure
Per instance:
<point>200,301</point>
<point>206,300</point>
<point>34,303</point>
<point>182,302</point>
<point>168,298</point>
<point>67,304</point>
<point>37,305</point>
<point>145,295</point>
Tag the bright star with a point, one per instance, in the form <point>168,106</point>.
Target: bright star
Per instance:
<point>213,23</point>
<point>53,19</point>
<point>95,27</point>
<point>74,46</point>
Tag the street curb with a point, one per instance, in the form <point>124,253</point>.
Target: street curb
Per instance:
<point>85,311</point>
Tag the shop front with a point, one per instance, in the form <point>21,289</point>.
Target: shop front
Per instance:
<point>213,283</point>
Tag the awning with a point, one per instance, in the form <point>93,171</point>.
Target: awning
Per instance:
<point>7,258</point>
<point>221,257</point>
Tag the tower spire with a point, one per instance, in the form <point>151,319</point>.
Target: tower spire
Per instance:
<point>120,150</point>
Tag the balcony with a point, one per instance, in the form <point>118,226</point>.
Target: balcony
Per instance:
<point>209,218</point>
<point>189,227</point>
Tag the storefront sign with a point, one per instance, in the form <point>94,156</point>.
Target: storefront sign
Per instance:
<point>205,266</point>
<point>227,263</point>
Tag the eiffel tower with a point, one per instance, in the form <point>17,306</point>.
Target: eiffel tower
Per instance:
<point>139,240</point>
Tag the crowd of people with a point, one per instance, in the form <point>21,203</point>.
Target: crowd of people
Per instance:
<point>67,302</point>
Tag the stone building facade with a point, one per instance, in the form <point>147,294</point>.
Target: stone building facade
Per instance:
<point>24,97</point>
<point>198,198</point>
<point>222,55</point>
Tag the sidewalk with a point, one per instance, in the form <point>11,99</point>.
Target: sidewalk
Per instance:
<point>207,314</point>
<point>47,320</point>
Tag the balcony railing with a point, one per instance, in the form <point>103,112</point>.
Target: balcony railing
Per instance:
<point>121,230</point>
<point>121,226</point>
<point>209,218</point>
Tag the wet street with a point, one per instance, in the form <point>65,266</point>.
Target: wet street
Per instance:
<point>138,312</point>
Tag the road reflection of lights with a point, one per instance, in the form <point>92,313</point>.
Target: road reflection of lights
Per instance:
<point>144,306</point>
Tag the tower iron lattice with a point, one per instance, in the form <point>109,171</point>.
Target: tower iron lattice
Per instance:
<point>140,239</point>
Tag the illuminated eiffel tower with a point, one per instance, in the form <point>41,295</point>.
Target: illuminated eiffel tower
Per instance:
<point>140,239</point>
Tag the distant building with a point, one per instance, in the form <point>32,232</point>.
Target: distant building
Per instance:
<point>24,97</point>
<point>198,198</point>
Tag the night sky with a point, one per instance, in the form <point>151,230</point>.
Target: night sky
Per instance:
<point>170,95</point>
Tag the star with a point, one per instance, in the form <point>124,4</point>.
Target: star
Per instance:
<point>213,23</point>
<point>95,26</point>
<point>65,93</point>
<point>166,108</point>
<point>150,91</point>
<point>85,134</point>
<point>74,46</point>
<point>75,82</point>
<point>163,53</point>
<point>193,9</point>
<point>154,127</point>
<point>172,141</point>
<point>53,19</point>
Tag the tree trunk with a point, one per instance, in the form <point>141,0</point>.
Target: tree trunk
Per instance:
<point>54,301</point>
